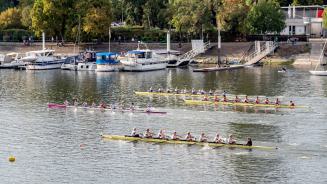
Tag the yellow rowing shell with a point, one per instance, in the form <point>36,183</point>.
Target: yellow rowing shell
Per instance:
<point>199,102</point>
<point>169,94</point>
<point>152,140</point>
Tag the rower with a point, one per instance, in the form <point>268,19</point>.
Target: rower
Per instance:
<point>231,140</point>
<point>84,104</point>
<point>277,102</point>
<point>189,137</point>
<point>168,90</point>
<point>185,91</point>
<point>176,90</point>
<point>216,99</point>
<point>267,101</point>
<point>193,91</point>
<point>218,139</point>
<point>210,92</point>
<point>225,98</point>
<point>102,105</point>
<point>161,135</point>
<point>151,90</point>
<point>203,138</point>
<point>94,104</point>
<point>148,134</point>
<point>202,92</point>
<point>148,108</point>
<point>75,103</point>
<point>246,100</point>
<point>112,106</point>
<point>224,93</point>
<point>66,102</point>
<point>249,143</point>
<point>132,107</point>
<point>292,104</point>
<point>284,69</point>
<point>205,98</point>
<point>257,101</point>
<point>134,134</point>
<point>175,136</point>
<point>159,90</point>
<point>237,99</point>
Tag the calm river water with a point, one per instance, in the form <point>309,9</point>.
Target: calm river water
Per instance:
<point>64,146</point>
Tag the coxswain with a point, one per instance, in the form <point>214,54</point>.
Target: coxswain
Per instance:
<point>249,143</point>
<point>237,99</point>
<point>246,100</point>
<point>231,140</point>
<point>225,98</point>
<point>189,137</point>
<point>216,99</point>
<point>66,103</point>
<point>205,98</point>
<point>257,101</point>
<point>134,134</point>
<point>175,136</point>
<point>277,102</point>
<point>148,134</point>
<point>203,138</point>
<point>161,135</point>
<point>267,101</point>
<point>292,104</point>
<point>151,90</point>
<point>218,139</point>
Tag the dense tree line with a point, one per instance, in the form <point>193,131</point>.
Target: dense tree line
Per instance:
<point>64,18</point>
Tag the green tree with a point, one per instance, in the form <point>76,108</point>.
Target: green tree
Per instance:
<point>324,16</point>
<point>96,16</point>
<point>10,18</point>
<point>190,16</point>
<point>232,16</point>
<point>265,17</point>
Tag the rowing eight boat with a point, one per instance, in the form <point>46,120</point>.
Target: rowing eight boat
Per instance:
<point>63,106</point>
<point>153,140</point>
<point>199,102</point>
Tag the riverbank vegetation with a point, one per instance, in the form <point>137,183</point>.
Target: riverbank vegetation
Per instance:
<point>146,20</point>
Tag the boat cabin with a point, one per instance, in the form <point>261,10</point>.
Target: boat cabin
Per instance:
<point>140,54</point>
<point>106,58</point>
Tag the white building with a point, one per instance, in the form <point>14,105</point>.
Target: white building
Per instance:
<point>304,20</point>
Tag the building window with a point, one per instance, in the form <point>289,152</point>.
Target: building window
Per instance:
<point>293,31</point>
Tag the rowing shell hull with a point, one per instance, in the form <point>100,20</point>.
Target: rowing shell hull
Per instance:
<point>126,138</point>
<point>62,106</point>
<point>199,102</point>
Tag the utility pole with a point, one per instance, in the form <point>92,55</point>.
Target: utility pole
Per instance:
<point>219,44</point>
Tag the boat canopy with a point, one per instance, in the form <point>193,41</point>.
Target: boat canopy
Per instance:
<point>106,58</point>
<point>135,52</point>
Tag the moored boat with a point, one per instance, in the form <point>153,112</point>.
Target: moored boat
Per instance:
<point>45,60</point>
<point>108,62</point>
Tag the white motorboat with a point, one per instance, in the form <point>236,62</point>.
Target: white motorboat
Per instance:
<point>143,60</point>
<point>108,62</point>
<point>45,60</point>
<point>10,61</point>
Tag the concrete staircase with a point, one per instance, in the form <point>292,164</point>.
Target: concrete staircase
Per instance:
<point>260,52</point>
<point>192,53</point>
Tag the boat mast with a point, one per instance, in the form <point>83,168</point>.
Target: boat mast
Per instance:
<point>219,44</point>
<point>43,41</point>
<point>109,33</point>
